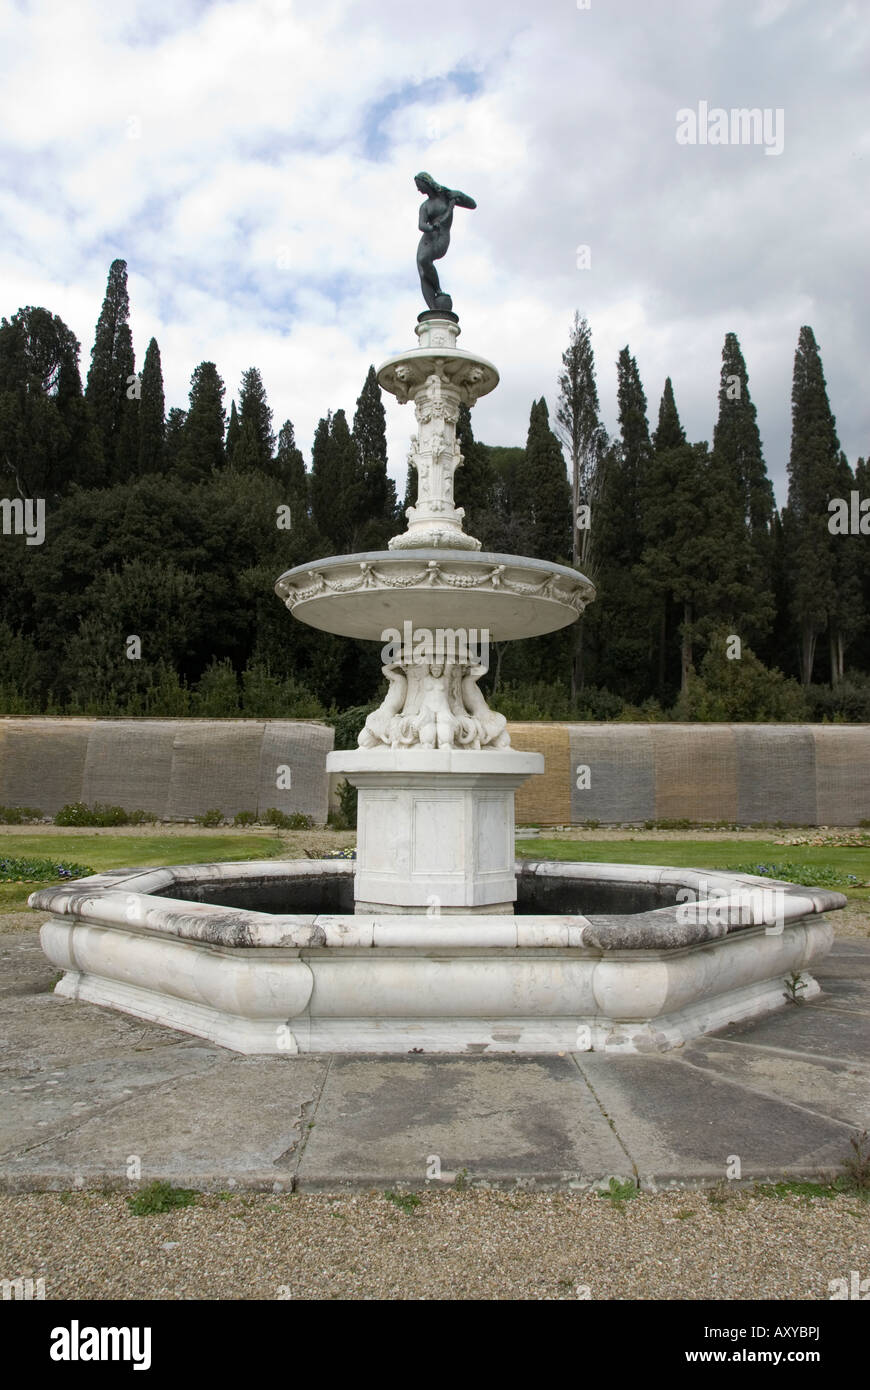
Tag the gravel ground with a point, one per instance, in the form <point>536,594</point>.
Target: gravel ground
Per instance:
<point>453,1245</point>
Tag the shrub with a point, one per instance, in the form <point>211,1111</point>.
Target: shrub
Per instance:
<point>77,813</point>
<point>244,818</point>
<point>209,819</point>
<point>349,722</point>
<point>347,797</point>
<point>740,691</point>
<point>18,815</point>
<point>141,818</point>
<point>296,820</point>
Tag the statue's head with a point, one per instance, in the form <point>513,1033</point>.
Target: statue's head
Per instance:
<point>426,184</point>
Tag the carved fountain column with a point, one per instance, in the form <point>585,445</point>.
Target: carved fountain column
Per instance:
<point>435,772</point>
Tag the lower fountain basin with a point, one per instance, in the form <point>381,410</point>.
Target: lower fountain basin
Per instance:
<point>268,957</point>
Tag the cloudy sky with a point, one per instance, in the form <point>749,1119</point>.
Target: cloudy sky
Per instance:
<point>253,162</point>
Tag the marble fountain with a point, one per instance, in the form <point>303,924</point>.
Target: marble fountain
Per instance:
<point>434,939</point>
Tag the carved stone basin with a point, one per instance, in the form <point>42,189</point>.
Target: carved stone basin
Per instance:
<point>269,957</point>
<point>510,596</point>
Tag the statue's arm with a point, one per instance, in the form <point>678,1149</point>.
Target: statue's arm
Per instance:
<point>423,223</point>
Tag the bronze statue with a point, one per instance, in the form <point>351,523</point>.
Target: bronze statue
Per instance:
<point>436,218</point>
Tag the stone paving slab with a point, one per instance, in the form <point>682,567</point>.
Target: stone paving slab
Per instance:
<point>495,1119</point>
<point>678,1121</point>
<point>83,1088</point>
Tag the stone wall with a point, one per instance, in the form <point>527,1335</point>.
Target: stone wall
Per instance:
<point>176,768</point>
<point>799,774</point>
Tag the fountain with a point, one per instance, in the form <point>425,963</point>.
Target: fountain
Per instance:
<point>435,940</point>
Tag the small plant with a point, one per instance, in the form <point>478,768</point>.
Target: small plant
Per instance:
<point>405,1201</point>
<point>805,1190</point>
<point>140,817</point>
<point>244,818</point>
<point>18,815</point>
<point>809,875</point>
<point>40,870</point>
<point>209,819</point>
<point>856,1167</point>
<point>158,1197</point>
<point>618,1192</point>
<point>460,1182</point>
<point>296,820</point>
<point>717,1196</point>
<point>794,983</point>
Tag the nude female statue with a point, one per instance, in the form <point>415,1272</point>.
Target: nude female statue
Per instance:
<point>436,219</point>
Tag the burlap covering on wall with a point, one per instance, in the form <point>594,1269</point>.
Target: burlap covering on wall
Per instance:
<point>621,762</point>
<point>695,772</point>
<point>42,762</point>
<point>175,768</point>
<point>842,773</point>
<point>776,774</point>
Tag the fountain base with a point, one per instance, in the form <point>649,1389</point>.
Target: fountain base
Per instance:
<point>435,827</point>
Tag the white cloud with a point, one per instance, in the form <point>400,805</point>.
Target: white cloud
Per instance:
<point>268,215</point>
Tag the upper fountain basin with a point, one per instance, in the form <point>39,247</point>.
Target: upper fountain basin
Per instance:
<point>510,596</point>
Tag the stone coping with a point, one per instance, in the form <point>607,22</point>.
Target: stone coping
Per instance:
<point>131,899</point>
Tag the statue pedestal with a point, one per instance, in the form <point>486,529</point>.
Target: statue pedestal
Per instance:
<point>435,827</point>
<point>438,377</point>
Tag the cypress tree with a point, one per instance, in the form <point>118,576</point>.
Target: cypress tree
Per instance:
<point>173,439</point>
<point>202,445</point>
<point>377,493</point>
<point>254,411</point>
<point>579,427</point>
<point>234,429</point>
<point>126,464</point>
<point>152,426</point>
<point>47,437</point>
<point>324,483</point>
<point>848,566</point>
<point>291,470</point>
<point>741,529</point>
<point>348,500</point>
<point>545,490</point>
<point>248,453</point>
<point>812,481</point>
<point>675,566</point>
<point>620,622</point>
<point>112,365</point>
<point>669,433</point>
<point>474,481</point>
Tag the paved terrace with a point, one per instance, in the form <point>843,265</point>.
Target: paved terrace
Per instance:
<point>83,1088</point>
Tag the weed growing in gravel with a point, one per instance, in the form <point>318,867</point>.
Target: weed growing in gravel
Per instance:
<point>460,1182</point>
<point>857,1165</point>
<point>158,1197</point>
<point>618,1192</point>
<point>793,986</point>
<point>406,1201</point>
<point>807,1190</point>
<point>720,1194</point>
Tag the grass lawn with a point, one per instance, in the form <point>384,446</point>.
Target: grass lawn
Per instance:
<point>103,851</point>
<point>707,854</point>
